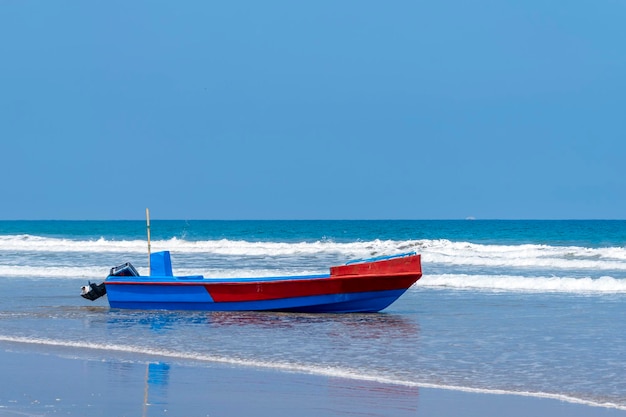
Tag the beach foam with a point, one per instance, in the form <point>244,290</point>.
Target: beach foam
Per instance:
<point>336,372</point>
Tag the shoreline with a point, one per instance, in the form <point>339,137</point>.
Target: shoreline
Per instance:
<point>89,350</point>
<point>48,380</point>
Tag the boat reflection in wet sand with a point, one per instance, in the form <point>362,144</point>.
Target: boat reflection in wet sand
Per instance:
<point>368,285</point>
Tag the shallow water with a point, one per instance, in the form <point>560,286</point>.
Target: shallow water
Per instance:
<point>541,315</point>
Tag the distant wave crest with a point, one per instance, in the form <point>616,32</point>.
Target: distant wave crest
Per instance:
<point>440,251</point>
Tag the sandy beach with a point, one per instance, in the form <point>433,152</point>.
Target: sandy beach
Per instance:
<point>40,381</point>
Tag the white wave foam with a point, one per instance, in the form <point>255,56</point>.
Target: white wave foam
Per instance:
<point>60,272</point>
<point>98,272</point>
<point>543,256</point>
<point>334,372</point>
<point>30,243</point>
<point>441,251</point>
<point>602,285</point>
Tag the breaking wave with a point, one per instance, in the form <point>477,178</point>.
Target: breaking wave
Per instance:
<point>446,264</point>
<point>439,251</point>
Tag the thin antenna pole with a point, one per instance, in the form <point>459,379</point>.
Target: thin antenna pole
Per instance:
<point>148,229</point>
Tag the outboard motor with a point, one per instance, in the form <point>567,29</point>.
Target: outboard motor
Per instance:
<point>94,291</point>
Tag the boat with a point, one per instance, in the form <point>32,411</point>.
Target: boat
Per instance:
<point>368,285</point>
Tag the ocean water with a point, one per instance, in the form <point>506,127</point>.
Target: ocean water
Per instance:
<point>535,308</point>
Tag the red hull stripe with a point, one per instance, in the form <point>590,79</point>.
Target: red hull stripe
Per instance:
<point>228,292</point>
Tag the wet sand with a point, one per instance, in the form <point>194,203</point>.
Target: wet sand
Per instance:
<point>38,381</point>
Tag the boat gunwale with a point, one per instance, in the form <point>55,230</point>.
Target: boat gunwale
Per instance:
<point>174,280</point>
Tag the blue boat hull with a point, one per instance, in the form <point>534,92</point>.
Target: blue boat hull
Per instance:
<point>363,286</point>
<point>195,298</point>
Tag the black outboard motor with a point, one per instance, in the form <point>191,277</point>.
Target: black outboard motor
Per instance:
<point>94,291</point>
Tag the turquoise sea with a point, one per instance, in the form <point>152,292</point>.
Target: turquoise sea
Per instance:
<point>533,308</point>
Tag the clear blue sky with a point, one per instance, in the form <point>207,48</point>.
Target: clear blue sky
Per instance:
<point>313,110</point>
